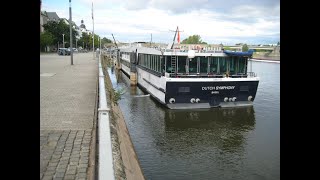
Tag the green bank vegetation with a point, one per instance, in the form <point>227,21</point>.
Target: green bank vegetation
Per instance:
<point>53,34</point>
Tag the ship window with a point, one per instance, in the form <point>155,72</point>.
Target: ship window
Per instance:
<point>162,63</point>
<point>236,63</point>
<point>159,64</point>
<point>242,63</point>
<point>203,64</point>
<point>142,59</point>
<point>223,65</point>
<point>139,59</point>
<point>146,60</point>
<point>182,64</point>
<point>168,64</point>
<point>232,69</point>
<point>244,88</point>
<point>184,89</point>
<point>213,65</point>
<point>151,61</point>
<point>154,62</point>
<point>193,65</point>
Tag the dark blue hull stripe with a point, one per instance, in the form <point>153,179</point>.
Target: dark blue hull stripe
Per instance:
<point>160,89</point>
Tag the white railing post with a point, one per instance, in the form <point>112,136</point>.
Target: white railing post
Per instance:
<point>106,170</point>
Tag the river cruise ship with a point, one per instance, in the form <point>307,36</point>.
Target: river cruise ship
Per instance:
<point>193,78</point>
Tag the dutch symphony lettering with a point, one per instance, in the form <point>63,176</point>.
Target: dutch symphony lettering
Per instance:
<point>210,88</point>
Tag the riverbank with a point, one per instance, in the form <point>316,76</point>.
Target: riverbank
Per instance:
<point>265,60</point>
<point>126,162</point>
<point>266,56</point>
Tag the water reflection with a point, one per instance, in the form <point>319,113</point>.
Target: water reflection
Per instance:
<point>112,69</point>
<point>119,76</point>
<point>225,129</point>
<point>241,118</point>
<point>124,82</point>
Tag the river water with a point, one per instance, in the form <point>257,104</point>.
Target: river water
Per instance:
<point>232,143</point>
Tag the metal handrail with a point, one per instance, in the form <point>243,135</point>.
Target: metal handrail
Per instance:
<point>106,170</point>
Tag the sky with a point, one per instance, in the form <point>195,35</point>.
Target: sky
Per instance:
<point>216,21</point>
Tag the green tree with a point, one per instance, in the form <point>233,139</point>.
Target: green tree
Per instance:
<point>96,41</point>
<point>84,41</point>
<point>105,41</point>
<point>227,48</point>
<point>59,28</point>
<point>46,39</point>
<point>245,48</point>
<point>194,39</point>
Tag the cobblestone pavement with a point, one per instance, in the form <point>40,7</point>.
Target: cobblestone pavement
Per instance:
<point>67,106</point>
<point>64,154</point>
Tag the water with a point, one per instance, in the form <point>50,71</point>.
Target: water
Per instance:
<point>233,143</point>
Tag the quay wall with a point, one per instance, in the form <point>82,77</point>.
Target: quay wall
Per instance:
<point>126,161</point>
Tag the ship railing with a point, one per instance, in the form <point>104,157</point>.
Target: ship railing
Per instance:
<point>197,50</point>
<point>251,74</point>
<point>210,75</point>
<point>175,50</point>
<point>211,51</point>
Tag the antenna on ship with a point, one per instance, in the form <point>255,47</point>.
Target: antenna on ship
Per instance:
<point>115,41</point>
<point>174,38</point>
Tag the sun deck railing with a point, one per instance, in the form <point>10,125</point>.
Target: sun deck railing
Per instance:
<point>210,75</point>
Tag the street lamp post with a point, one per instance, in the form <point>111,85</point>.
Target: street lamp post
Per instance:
<point>93,44</point>
<point>63,40</point>
<point>100,46</point>
<point>70,25</point>
<point>76,42</point>
<point>92,31</point>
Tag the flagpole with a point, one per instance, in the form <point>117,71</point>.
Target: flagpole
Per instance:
<point>178,35</point>
<point>92,32</point>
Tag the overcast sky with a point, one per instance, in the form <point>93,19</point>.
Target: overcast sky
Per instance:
<point>216,21</point>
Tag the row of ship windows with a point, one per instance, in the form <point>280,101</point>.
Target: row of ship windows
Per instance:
<point>214,65</point>
<point>210,65</point>
<point>126,63</point>
<point>153,62</point>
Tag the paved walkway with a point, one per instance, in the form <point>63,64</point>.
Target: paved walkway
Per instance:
<point>67,114</point>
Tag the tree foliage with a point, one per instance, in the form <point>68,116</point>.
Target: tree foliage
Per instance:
<point>96,41</point>
<point>54,31</point>
<point>245,48</point>
<point>194,39</point>
<point>84,41</point>
<point>46,39</point>
<point>105,41</point>
<point>59,28</point>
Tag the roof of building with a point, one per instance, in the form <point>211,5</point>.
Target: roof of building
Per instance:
<point>52,16</point>
<point>83,26</point>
